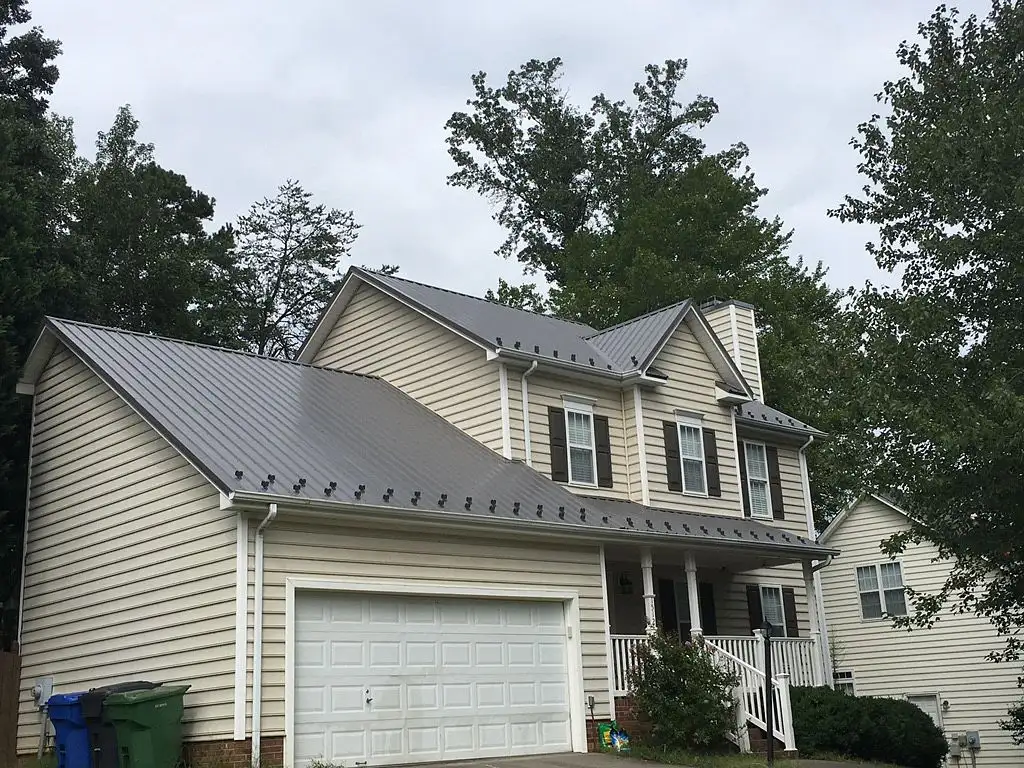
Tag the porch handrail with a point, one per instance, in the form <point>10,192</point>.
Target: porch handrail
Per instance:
<point>750,696</point>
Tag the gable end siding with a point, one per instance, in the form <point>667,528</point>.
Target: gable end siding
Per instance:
<point>381,336</point>
<point>948,659</point>
<point>130,572</point>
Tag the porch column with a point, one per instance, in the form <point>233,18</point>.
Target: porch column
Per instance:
<point>693,594</point>
<point>818,656</point>
<point>647,569</point>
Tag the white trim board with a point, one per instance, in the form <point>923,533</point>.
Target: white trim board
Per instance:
<point>569,597</point>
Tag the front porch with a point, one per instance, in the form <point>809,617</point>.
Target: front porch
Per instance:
<point>721,597</point>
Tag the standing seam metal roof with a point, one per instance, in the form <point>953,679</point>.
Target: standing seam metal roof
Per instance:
<point>308,428</point>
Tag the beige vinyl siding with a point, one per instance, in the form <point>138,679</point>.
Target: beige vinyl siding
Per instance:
<point>546,392</point>
<point>450,375</point>
<point>739,340</point>
<point>733,594</point>
<point>691,387</point>
<point>315,551</point>
<point>948,659</point>
<point>130,571</point>
<point>515,413</point>
<point>750,358</point>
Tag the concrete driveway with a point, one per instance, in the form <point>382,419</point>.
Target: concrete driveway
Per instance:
<point>571,760</point>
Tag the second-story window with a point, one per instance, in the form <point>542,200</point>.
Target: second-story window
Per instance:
<point>757,480</point>
<point>579,432</point>
<point>691,454</point>
<point>881,590</point>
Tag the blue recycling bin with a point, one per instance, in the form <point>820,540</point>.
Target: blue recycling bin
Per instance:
<point>72,732</point>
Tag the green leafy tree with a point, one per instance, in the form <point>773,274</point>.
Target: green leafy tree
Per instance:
<point>622,209</point>
<point>36,150</point>
<point>140,231</point>
<point>289,253</point>
<point>943,366</point>
<point>525,296</point>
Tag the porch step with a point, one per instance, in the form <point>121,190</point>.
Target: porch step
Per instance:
<point>759,744</point>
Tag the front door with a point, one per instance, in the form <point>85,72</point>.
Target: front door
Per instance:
<point>674,608</point>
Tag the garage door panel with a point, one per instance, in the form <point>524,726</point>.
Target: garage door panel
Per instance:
<point>446,678</point>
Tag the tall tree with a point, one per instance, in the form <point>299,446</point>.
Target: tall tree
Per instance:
<point>148,262</point>
<point>36,150</point>
<point>289,253</point>
<point>943,386</point>
<point>525,296</point>
<point>623,210</point>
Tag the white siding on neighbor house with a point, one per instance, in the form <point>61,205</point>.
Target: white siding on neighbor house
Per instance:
<point>296,549</point>
<point>736,328</point>
<point>947,660</point>
<point>381,336</point>
<point>545,392</point>
<point>130,571</point>
<point>691,387</point>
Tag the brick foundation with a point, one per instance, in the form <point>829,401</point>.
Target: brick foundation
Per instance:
<point>233,754</point>
<point>628,718</point>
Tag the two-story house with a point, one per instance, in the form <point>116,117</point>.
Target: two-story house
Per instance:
<point>439,534</point>
<point>945,668</point>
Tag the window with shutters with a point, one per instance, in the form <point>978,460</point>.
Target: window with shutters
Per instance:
<point>757,479</point>
<point>772,609</point>
<point>881,590</point>
<point>691,455</point>
<point>579,433</point>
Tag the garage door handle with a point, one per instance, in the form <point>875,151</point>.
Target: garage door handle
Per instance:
<point>369,698</point>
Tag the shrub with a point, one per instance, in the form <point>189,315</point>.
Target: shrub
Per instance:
<point>683,693</point>
<point>865,727</point>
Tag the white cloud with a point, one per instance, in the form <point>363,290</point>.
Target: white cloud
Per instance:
<point>351,99</point>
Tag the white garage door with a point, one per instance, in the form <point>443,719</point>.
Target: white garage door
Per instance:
<point>383,679</point>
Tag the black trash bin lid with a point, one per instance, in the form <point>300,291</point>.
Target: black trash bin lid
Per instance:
<point>92,702</point>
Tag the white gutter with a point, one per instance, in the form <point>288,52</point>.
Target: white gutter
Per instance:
<point>526,412</point>
<point>454,519</point>
<point>257,637</point>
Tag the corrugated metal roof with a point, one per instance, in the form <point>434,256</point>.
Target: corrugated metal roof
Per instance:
<point>308,428</point>
<point>639,338</point>
<point>758,414</point>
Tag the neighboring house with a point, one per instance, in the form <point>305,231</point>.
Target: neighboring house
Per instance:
<point>391,564</point>
<point>944,670</point>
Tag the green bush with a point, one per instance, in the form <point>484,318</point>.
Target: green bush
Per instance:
<point>683,693</point>
<point>865,727</point>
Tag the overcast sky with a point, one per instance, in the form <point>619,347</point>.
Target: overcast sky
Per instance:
<point>351,98</point>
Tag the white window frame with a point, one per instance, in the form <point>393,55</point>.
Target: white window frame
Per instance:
<point>694,422</point>
<point>570,405</point>
<point>880,591</point>
<point>844,677</point>
<point>766,479</point>
<point>782,604</point>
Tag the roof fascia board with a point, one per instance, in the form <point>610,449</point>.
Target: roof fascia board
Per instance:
<point>329,317</point>
<point>35,363</point>
<point>137,407</point>
<point>450,518</point>
<point>838,519</point>
<point>747,427</point>
<point>719,352</point>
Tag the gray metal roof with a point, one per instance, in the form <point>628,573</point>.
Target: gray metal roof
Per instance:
<point>759,415</point>
<point>640,338</point>
<point>315,430</point>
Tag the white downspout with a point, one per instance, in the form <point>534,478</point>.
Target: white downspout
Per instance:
<point>820,630</point>
<point>526,413</point>
<point>257,637</point>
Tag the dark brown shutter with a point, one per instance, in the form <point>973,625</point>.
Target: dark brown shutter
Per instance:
<point>672,463</point>
<point>604,452</point>
<point>711,462</point>
<point>775,482</point>
<point>754,606</point>
<point>708,619</point>
<point>741,457</point>
<point>789,612</point>
<point>559,449</point>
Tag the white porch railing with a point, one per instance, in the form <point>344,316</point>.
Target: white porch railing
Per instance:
<point>792,663</point>
<point>624,657</point>
<point>793,656</point>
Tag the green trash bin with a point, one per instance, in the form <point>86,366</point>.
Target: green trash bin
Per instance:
<point>148,726</point>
